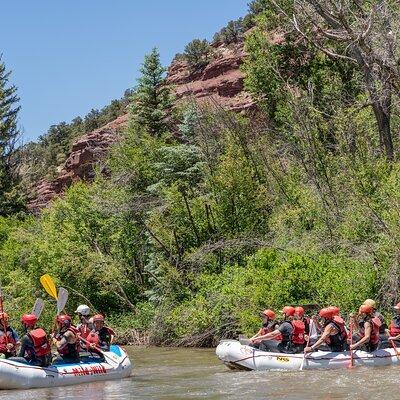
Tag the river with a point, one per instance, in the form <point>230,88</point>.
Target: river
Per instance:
<point>172,374</point>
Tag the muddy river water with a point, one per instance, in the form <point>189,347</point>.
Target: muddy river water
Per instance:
<point>162,373</point>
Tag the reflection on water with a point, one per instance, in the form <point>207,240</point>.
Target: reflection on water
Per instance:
<point>173,374</point>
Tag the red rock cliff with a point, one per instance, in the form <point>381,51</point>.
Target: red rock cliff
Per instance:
<point>220,82</point>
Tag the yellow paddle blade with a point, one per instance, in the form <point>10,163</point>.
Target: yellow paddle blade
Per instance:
<point>47,282</point>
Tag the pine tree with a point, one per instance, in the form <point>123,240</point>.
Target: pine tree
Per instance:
<point>152,100</point>
<point>9,133</point>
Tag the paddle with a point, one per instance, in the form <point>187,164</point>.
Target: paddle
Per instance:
<point>38,307</point>
<point>105,354</point>
<point>47,282</point>
<point>3,319</point>
<point>395,348</point>
<point>308,342</point>
<point>351,342</point>
<point>61,299</point>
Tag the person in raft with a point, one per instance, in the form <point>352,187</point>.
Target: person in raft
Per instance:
<point>369,325</point>
<point>269,325</point>
<point>84,326</point>
<point>66,340</point>
<point>394,328</point>
<point>291,332</point>
<point>9,338</point>
<point>334,331</point>
<point>383,327</point>
<point>299,315</point>
<point>101,336</point>
<point>35,347</point>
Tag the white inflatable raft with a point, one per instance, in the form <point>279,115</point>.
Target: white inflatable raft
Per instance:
<point>237,356</point>
<point>16,375</point>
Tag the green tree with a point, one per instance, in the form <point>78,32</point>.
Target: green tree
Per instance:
<point>232,33</point>
<point>152,99</point>
<point>197,53</point>
<point>9,133</point>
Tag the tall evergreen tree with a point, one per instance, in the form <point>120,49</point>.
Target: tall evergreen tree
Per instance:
<point>9,133</point>
<point>151,100</point>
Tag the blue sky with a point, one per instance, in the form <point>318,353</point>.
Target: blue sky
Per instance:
<point>69,56</point>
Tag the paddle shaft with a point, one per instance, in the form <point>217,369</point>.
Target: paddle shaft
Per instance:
<point>395,348</point>
<point>97,348</point>
<point>3,320</point>
<point>351,343</point>
<point>308,342</point>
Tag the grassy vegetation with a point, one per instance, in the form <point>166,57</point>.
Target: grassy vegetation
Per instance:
<point>201,225</point>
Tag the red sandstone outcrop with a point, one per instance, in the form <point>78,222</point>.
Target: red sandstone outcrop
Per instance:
<point>86,152</point>
<point>219,83</point>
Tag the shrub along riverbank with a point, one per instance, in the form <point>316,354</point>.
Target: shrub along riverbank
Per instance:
<point>207,217</point>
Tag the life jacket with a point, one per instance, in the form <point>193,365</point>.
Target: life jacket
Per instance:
<point>298,332</point>
<point>84,330</point>
<point>93,338</point>
<point>394,328</point>
<point>337,341</point>
<point>41,345</point>
<point>376,323</point>
<point>266,328</point>
<point>101,338</point>
<point>286,338</point>
<point>6,338</point>
<point>70,349</point>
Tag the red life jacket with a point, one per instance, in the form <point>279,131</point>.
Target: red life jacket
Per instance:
<point>71,349</point>
<point>339,324</point>
<point>298,332</point>
<point>93,338</point>
<point>84,331</point>
<point>6,338</point>
<point>394,328</point>
<point>264,330</point>
<point>41,345</point>
<point>376,323</point>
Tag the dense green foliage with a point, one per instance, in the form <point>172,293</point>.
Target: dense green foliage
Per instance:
<point>9,133</point>
<point>193,232</point>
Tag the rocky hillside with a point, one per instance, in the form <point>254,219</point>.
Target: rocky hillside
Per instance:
<point>219,83</point>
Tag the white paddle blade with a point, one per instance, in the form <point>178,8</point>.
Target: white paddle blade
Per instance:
<point>62,299</point>
<point>38,307</point>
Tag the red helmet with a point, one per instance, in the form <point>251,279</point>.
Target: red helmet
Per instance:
<point>98,318</point>
<point>269,313</point>
<point>288,310</point>
<point>3,316</point>
<point>335,310</point>
<point>29,320</point>
<point>299,311</point>
<point>64,319</point>
<point>366,309</point>
<point>327,313</point>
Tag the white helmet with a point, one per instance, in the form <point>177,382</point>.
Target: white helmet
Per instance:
<point>83,309</point>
